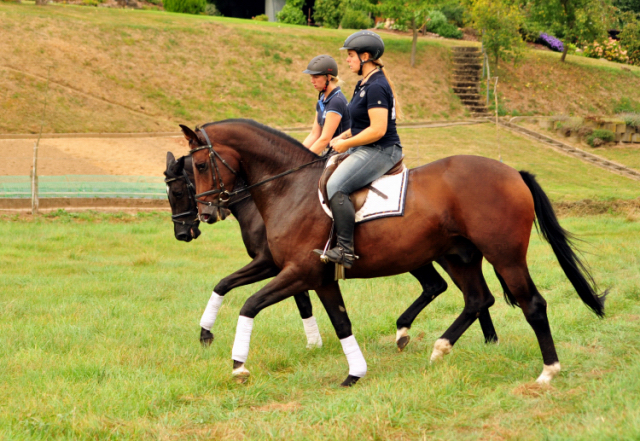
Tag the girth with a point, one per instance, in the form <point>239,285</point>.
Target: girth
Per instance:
<point>358,197</point>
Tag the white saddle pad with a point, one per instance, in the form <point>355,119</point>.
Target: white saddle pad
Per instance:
<point>394,187</point>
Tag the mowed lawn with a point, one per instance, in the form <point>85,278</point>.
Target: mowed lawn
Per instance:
<point>100,331</point>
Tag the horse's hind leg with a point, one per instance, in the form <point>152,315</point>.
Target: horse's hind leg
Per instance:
<point>521,288</point>
<point>303,302</point>
<point>432,285</point>
<point>477,298</point>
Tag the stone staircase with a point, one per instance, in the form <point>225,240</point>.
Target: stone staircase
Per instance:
<point>467,64</point>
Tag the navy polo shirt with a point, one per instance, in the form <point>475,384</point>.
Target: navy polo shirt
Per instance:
<point>376,92</point>
<point>336,103</point>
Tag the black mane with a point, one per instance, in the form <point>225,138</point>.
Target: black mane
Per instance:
<point>262,127</point>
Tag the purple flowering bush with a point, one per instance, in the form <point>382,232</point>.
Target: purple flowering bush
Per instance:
<point>551,42</point>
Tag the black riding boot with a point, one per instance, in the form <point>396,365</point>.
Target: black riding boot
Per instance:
<point>344,216</point>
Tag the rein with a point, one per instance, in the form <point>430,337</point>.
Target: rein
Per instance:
<point>224,195</point>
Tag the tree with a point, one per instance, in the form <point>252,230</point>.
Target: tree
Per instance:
<point>499,23</point>
<point>574,21</point>
<point>328,13</point>
<point>413,12</point>
<point>292,13</point>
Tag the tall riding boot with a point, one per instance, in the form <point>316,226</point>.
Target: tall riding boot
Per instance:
<point>344,216</point>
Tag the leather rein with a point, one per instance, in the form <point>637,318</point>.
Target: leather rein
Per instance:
<point>223,195</point>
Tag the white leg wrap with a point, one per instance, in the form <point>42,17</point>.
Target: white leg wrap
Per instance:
<point>548,372</point>
<point>402,332</point>
<point>357,363</point>
<point>240,350</point>
<point>441,348</point>
<point>211,311</point>
<point>314,340</point>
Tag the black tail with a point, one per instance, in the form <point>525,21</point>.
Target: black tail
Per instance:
<point>561,242</point>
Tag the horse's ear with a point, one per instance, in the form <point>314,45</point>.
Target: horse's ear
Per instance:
<point>189,134</point>
<point>170,159</point>
<point>179,165</point>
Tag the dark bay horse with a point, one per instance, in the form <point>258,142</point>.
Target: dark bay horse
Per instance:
<point>460,209</point>
<point>179,177</point>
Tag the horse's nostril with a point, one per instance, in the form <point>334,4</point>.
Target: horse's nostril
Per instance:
<point>182,236</point>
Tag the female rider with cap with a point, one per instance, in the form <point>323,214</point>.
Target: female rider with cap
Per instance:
<point>372,140</point>
<point>332,113</point>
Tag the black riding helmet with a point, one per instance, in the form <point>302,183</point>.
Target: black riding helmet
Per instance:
<point>364,41</point>
<point>322,65</point>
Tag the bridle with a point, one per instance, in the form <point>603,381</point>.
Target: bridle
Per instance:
<point>193,212</point>
<point>223,195</point>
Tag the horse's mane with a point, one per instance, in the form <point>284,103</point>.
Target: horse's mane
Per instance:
<point>264,128</point>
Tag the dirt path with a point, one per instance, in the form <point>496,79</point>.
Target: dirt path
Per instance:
<point>90,156</point>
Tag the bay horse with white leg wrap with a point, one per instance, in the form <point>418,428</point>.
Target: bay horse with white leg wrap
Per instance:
<point>180,191</point>
<point>460,209</point>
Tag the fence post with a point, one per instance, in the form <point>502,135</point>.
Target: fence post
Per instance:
<point>35,202</point>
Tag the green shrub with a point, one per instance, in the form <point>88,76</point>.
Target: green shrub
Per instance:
<point>436,19</point>
<point>210,9</point>
<point>185,6</point>
<point>356,20</point>
<point>454,11</point>
<point>261,17</point>
<point>630,40</point>
<point>447,30</point>
<point>602,134</point>
<point>631,119</point>
<point>292,13</point>
<point>328,13</point>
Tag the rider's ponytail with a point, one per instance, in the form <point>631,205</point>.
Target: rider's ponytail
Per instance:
<point>399,112</point>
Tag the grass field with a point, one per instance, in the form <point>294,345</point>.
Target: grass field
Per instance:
<point>99,341</point>
<point>120,70</point>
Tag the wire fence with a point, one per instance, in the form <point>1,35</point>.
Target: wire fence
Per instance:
<point>84,186</point>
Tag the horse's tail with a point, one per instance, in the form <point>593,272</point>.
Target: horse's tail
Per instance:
<point>561,242</point>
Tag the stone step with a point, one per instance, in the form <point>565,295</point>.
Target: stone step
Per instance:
<point>459,90</point>
<point>466,49</point>
<point>470,68</point>
<point>481,115</point>
<point>466,78</point>
<point>467,59</point>
<point>462,84</point>
<point>469,96</point>
<point>471,102</point>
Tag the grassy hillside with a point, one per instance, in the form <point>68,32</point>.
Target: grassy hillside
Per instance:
<point>117,70</point>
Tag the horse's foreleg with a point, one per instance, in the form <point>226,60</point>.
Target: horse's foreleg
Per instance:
<point>258,269</point>
<point>477,299</point>
<point>534,307</point>
<point>332,301</point>
<point>432,285</point>
<point>284,285</point>
<point>303,302</point>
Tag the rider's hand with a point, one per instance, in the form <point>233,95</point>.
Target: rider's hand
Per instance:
<point>338,145</point>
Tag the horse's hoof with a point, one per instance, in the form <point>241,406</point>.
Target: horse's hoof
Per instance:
<point>206,337</point>
<point>402,338</point>
<point>548,372</point>
<point>441,348</point>
<point>492,340</point>
<point>350,381</point>
<point>240,373</point>
<point>403,342</point>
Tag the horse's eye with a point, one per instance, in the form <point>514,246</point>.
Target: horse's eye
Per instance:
<point>201,167</point>
<point>177,194</point>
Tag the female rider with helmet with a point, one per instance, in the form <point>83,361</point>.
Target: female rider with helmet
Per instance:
<point>332,113</point>
<point>372,140</point>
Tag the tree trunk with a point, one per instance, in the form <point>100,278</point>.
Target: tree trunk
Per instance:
<point>41,2</point>
<point>564,53</point>
<point>414,44</point>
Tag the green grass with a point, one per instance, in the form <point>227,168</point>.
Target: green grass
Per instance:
<point>628,155</point>
<point>99,341</point>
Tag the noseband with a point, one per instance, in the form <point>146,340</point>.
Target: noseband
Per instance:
<point>193,212</point>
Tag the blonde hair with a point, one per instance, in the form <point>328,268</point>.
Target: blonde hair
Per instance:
<point>399,112</point>
<point>335,80</point>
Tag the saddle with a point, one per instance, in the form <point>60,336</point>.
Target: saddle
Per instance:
<point>358,197</point>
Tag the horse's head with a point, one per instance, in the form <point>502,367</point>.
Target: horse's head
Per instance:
<point>214,170</point>
<point>181,194</point>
